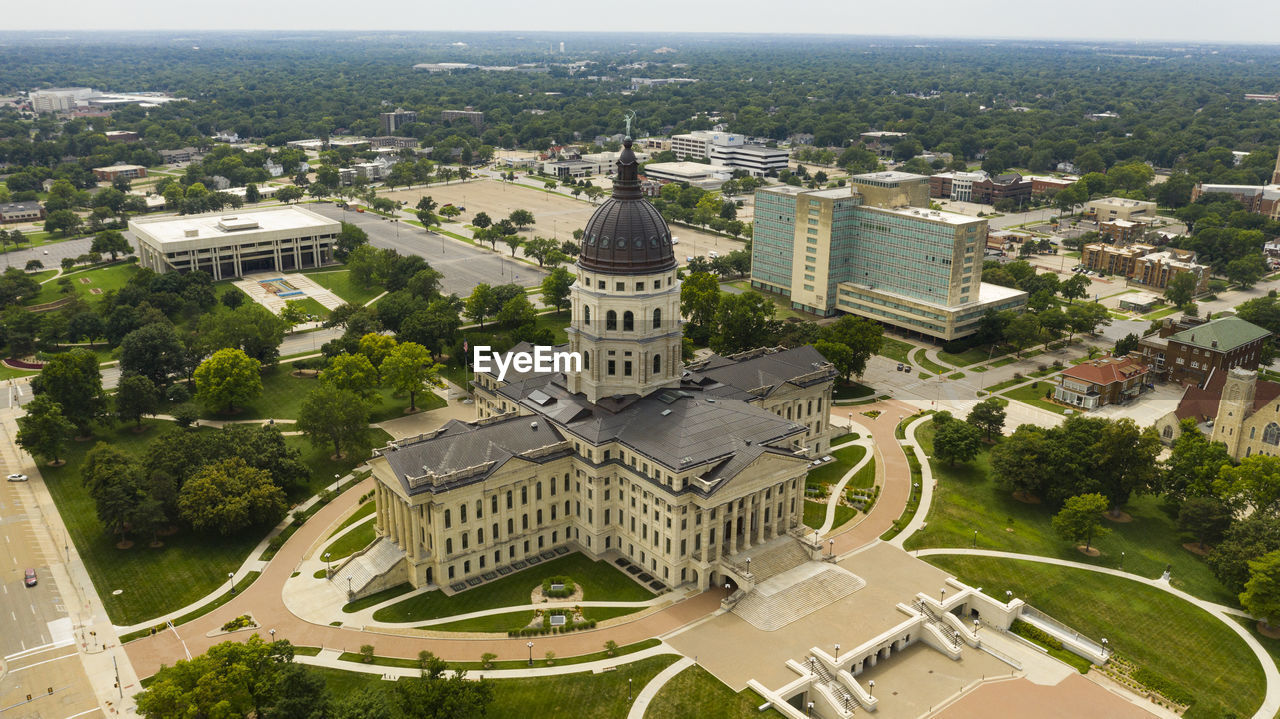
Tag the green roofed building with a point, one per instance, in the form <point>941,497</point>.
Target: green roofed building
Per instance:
<point>1191,350</point>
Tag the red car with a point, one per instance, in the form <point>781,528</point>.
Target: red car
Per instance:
<point>30,578</point>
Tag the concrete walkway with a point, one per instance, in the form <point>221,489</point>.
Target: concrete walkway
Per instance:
<point>329,658</point>
<point>1270,703</point>
<point>833,500</point>
<point>646,695</point>
<point>926,483</point>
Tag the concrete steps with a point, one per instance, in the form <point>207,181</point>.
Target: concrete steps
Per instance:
<point>777,556</point>
<point>363,568</point>
<point>796,593</point>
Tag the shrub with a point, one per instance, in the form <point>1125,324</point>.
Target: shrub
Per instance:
<point>366,653</point>
<point>241,622</point>
<point>185,415</point>
<point>487,659</point>
<point>178,393</point>
<point>568,589</point>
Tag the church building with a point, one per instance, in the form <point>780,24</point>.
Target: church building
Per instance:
<point>638,458</point>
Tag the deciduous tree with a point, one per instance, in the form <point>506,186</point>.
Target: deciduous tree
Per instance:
<point>1080,519</point>
<point>43,431</point>
<point>332,416</point>
<point>409,368</point>
<point>229,496</point>
<point>228,378</point>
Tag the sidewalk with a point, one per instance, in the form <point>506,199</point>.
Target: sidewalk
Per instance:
<point>329,658</point>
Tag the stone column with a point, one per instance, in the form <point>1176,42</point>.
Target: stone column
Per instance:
<point>759,517</point>
<point>380,503</point>
<point>747,511</point>
<point>706,537</point>
<point>733,528</point>
<point>413,532</point>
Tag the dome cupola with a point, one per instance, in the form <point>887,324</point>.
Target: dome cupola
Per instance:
<point>627,235</point>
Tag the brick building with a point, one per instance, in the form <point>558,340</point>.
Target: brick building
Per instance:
<point>980,187</point>
<point>1109,380</point>
<point>1191,349</point>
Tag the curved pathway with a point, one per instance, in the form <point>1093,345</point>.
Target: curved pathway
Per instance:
<point>833,499</point>
<point>651,689</point>
<point>891,467</point>
<point>926,483</point>
<point>1270,703</point>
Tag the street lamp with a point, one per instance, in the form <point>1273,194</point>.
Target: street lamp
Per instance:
<point>976,623</point>
<point>837,651</point>
<point>726,590</point>
<point>943,595</point>
<point>628,689</point>
<point>1104,645</point>
<point>231,578</point>
<point>530,645</point>
<point>335,482</point>
<point>1008,595</point>
<point>272,632</point>
<point>975,539</point>
<point>831,544</point>
<point>813,665</point>
<point>328,573</point>
<point>872,690</point>
<point>809,712</point>
<point>748,565</point>
<point>846,703</point>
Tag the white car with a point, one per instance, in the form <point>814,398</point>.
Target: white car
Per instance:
<point>713,253</point>
<point>17,477</point>
<point>675,240</point>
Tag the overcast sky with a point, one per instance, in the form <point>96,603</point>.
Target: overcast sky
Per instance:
<point>1246,21</point>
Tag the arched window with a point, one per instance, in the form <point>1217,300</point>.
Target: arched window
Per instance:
<point>586,360</point>
<point>657,364</point>
<point>611,320</point>
<point>1271,435</point>
<point>628,321</point>
<point>657,317</point>
<point>586,315</point>
<point>1167,432</point>
<point>447,519</point>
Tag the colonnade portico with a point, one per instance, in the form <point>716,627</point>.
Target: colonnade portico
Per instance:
<point>759,517</point>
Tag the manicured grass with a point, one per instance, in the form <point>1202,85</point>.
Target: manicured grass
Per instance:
<point>189,565</point>
<point>1156,630</point>
<point>866,477</point>
<point>694,692</point>
<point>351,542</point>
<point>109,277</point>
<point>966,358</point>
<point>556,322</point>
<point>198,612</point>
<point>921,359</point>
<point>283,394</point>
<point>851,390</point>
<point>365,510</point>
<point>1005,384</point>
<point>895,349</point>
<point>492,623</point>
<point>339,282</point>
<point>966,498</point>
<point>600,696</point>
<point>815,513</point>
<point>956,375</point>
<point>831,472</point>
<point>600,581</point>
<point>1033,394</point>
<point>1002,362</point>
<point>323,467</point>
<point>845,439</point>
<point>377,598</point>
<point>1160,313</point>
<point>312,306</point>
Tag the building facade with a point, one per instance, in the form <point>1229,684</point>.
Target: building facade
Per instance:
<point>980,187</point>
<point>1192,350</point>
<point>1107,209</point>
<point>630,459</point>
<point>1143,264</point>
<point>396,119</point>
<point>1100,382</point>
<point>26,211</point>
<point>112,173</point>
<point>829,251</point>
<point>475,117</point>
<point>892,189</point>
<point>277,239</point>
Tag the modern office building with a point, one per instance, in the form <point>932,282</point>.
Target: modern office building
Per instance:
<point>892,189</point>
<point>1106,209</point>
<point>632,457</point>
<point>693,173</point>
<point>730,150</point>
<point>909,267</point>
<point>111,173</point>
<point>980,187</point>
<point>394,120</point>
<point>394,142</point>
<point>58,99</point>
<point>475,117</point>
<point>276,239</point>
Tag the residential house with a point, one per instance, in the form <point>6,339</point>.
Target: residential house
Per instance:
<point>1100,382</point>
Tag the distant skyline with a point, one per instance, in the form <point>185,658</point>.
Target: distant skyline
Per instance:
<point>1226,21</point>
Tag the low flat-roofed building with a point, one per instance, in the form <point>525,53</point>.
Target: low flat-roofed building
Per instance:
<point>757,160</point>
<point>111,173</point>
<point>1044,185</point>
<point>278,239</point>
<point>693,173</point>
<point>314,143</point>
<point>1141,302</point>
<point>1120,208</point>
<point>394,142</point>
<point>1121,230</point>
<point>121,135</point>
<point>183,154</point>
<point>26,211</point>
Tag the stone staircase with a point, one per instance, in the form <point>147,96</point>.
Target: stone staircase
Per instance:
<point>796,593</point>
<point>772,558</point>
<point>932,617</point>
<point>369,565</point>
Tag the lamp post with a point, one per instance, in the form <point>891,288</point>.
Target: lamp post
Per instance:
<point>837,651</point>
<point>530,645</point>
<point>831,548</point>
<point>628,689</point>
<point>335,483</point>
<point>942,595</point>
<point>975,539</point>
<point>328,573</point>
<point>272,632</point>
<point>976,623</point>
<point>871,691</point>
<point>1122,560</point>
<point>1104,646</point>
<point>726,590</point>
<point>1008,596</point>
<point>748,565</point>
<point>813,666</point>
<point>809,710</point>
<point>231,579</point>
<point>349,590</point>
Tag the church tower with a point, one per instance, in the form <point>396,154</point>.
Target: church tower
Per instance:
<point>626,301</point>
<point>1234,408</point>
<point>1275,176</point>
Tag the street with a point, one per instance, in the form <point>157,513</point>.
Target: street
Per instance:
<point>462,265</point>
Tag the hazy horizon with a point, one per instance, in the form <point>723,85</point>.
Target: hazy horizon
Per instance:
<point>1088,20</point>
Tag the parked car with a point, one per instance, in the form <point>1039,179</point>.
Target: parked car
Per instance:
<point>713,253</point>
<point>17,477</point>
<point>906,368</point>
<point>899,366</point>
<point>29,578</point>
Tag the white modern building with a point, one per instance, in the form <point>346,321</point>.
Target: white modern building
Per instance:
<point>58,99</point>
<point>694,173</point>
<point>729,150</point>
<point>271,239</point>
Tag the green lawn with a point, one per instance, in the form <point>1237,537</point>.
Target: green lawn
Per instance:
<point>367,509</point>
<point>600,581</point>
<point>351,542</point>
<point>851,390</point>
<point>110,277</point>
<point>339,283</point>
<point>538,661</point>
<point>866,477</point>
<point>189,566</point>
<point>844,439</point>
<point>492,623</point>
<point>312,306</point>
<point>831,472</point>
<point>1156,630</point>
<point>1002,362</point>
<point>815,513</point>
<point>966,358</point>
<point>283,394</point>
<point>966,498</point>
<point>920,359</point>
<point>694,692</point>
<point>895,349</point>
<point>1033,394</point>
<point>199,611</point>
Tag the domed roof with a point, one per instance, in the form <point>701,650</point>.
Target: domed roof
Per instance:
<point>627,235</point>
